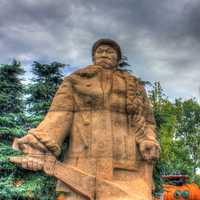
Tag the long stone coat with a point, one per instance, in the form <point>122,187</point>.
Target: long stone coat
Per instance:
<point>106,115</point>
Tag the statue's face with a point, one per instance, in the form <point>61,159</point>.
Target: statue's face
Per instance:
<point>106,56</point>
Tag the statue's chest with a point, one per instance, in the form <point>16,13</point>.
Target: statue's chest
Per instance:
<point>100,91</point>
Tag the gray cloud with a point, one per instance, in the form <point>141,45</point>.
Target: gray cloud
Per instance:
<point>160,38</point>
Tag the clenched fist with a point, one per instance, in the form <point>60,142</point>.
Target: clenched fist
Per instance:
<point>28,162</point>
<point>150,150</point>
<point>36,163</point>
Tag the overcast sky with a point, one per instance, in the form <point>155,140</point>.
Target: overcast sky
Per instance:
<point>161,38</point>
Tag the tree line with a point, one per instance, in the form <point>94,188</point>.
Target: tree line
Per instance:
<point>23,106</point>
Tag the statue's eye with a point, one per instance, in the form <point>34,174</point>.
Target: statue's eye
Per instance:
<point>98,51</point>
<point>110,51</point>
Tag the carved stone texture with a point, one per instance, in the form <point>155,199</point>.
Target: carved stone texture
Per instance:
<point>106,114</point>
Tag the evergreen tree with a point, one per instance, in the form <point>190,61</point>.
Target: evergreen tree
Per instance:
<point>40,92</point>
<point>47,78</point>
<point>11,124</point>
<point>11,88</point>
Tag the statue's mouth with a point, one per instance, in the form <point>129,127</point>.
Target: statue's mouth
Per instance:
<point>104,61</point>
<point>104,58</point>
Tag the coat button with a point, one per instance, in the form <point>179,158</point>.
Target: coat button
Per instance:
<point>86,123</point>
<point>88,101</point>
<point>101,145</point>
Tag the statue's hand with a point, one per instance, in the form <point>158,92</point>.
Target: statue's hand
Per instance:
<point>36,163</point>
<point>28,144</point>
<point>38,157</point>
<point>28,162</point>
<point>150,150</point>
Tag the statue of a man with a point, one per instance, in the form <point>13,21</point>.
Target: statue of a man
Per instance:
<point>106,114</point>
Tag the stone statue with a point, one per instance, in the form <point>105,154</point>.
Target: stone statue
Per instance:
<point>106,114</point>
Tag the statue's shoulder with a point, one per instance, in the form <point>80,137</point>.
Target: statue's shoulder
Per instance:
<point>134,84</point>
<point>80,74</point>
<point>130,78</point>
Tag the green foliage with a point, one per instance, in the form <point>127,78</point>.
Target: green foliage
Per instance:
<point>11,125</point>
<point>124,65</point>
<point>32,186</point>
<point>11,87</point>
<point>11,121</point>
<point>43,87</point>
<point>178,126</point>
<point>123,62</point>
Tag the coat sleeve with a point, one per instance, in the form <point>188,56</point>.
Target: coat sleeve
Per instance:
<point>149,120</point>
<point>57,123</point>
<point>141,115</point>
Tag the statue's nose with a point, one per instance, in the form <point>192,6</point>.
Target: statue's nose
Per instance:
<point>103,53</point>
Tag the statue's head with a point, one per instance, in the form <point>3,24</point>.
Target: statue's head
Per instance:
<point>106,53</point>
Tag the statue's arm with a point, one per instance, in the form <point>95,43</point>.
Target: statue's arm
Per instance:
<point>146,136</point>
<point>52,131</point>
<point>149,120</point>
<point>55,127</point>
